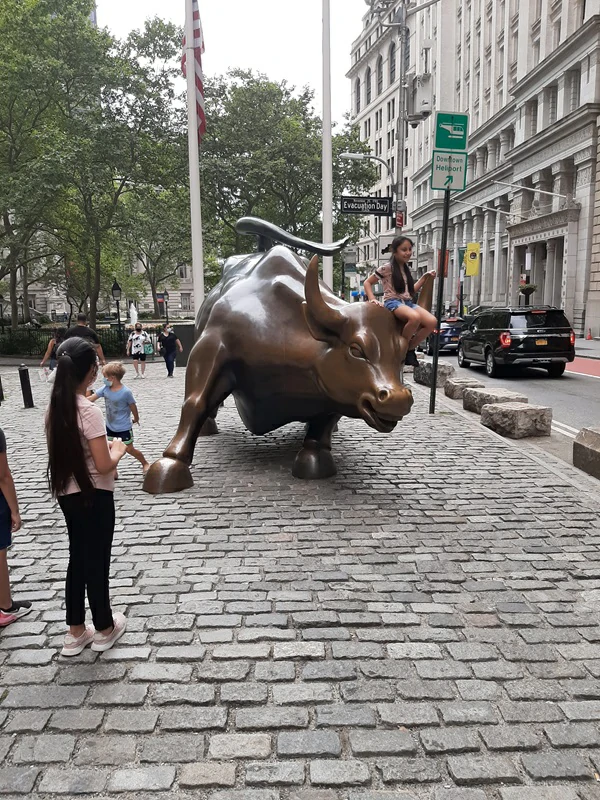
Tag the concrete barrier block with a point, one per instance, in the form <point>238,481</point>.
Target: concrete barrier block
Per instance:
<point>423,373</point>
<point>454,387</point>
<point>475,399</point>
<point>586,451</point>
<point>517,420</point>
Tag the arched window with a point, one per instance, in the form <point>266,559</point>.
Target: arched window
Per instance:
<point>392,58</point>
<point>368,86</point>
<point>357,95</point>
<point>380,75</point>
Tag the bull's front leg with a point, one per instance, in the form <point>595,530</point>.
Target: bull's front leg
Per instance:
<point>315,461</point>
<point>206,386</point>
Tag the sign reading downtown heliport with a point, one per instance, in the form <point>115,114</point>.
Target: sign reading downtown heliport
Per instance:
<point>378,206</point>
<point>449,171</point>
<point>451,131</point>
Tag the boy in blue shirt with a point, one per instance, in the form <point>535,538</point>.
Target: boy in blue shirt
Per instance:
<point>120,407</point>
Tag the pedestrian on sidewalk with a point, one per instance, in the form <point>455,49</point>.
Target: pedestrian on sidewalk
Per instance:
<point>399,288</point>
<point>137,343</point>
<point>50,355</point>
<point>81,468</point>
<point>120,409</point>
<point>10,522</point>
<point>169,343</point>
<point>82,330</point>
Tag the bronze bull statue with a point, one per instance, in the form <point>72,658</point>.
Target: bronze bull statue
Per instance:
<point>276,338</point>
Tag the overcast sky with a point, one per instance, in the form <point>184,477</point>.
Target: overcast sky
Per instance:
<point>281,38</point>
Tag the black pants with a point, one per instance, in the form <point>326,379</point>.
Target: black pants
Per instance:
<point>90,525</point>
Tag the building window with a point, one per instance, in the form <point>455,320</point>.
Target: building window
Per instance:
<point>186,302</point>
<point>183,272</point>
<point>392,57</point>
<point>368,86</point>
<point>357,95</point>
<point>380,75</point>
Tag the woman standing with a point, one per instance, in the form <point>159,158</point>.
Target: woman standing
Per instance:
<point>169,342</point>
<point>81,468</point>
<point>136,346</point>
<point>50,355</point>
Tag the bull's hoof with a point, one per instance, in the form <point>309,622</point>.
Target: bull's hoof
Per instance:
<point>314,464</point>
<point>209,428</point>
<point>167,475</point>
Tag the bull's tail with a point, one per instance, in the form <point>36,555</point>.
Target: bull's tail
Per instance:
<point>269,234</point>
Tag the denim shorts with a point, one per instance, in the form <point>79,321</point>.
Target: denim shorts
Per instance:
<point>5,524</point>
<point>394,303</point>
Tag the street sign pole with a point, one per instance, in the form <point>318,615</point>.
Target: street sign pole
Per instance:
<point>440,300</point>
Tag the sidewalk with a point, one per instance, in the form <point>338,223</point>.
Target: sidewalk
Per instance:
<point>587,349</point>
<point>424,626</point>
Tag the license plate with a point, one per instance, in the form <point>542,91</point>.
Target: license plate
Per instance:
<point>454,339</point>
<point>541,341</point>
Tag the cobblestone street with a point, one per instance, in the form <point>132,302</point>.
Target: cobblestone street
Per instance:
<point>424,626</point>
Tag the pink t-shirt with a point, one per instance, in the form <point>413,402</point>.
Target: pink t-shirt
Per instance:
<point>389,292</point>
<point>91,426</point>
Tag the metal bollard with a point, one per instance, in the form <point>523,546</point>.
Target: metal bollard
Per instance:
<point>26,386</point>
<point>1,391</point>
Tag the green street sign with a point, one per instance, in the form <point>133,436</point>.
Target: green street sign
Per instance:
<point>451,131</point>
<point>449,171</point>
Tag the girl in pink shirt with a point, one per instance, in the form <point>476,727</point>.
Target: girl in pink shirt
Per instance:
<point>81,469</point>
<point>399,288</point>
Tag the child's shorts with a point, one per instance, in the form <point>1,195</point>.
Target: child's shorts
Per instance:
<point>393,304</point>
<point>5,524</point>
<point>125,436</point>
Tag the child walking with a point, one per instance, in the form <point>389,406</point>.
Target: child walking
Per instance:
<point>120,407</point>
<point>81,468</point>
<point>399,288</point>
<point>10,522</point>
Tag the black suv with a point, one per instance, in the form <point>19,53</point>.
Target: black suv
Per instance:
<point>527,336</point>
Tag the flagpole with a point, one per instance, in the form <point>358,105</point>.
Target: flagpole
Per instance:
<point>194,161</point>
<point>327,155</point>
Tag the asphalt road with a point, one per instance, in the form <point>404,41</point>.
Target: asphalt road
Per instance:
<point>575,398</point>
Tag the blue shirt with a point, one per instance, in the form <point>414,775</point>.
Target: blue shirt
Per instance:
<point>118,413</point>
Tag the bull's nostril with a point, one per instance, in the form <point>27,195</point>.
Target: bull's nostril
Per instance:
<point>383,395</point>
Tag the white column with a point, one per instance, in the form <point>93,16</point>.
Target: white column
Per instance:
<point>549,273</point>
<point>327,172</point>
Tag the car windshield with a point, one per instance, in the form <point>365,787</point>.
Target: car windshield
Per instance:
<point>539,319</point>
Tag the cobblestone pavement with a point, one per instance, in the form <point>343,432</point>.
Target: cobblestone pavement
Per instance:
<point>422,627</point>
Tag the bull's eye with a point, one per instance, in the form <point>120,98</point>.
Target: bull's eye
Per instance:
<point>357,352</point>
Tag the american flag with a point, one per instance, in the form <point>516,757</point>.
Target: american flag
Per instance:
<point>198,50</point>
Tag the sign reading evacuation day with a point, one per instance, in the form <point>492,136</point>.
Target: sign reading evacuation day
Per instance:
<point>378,206</point>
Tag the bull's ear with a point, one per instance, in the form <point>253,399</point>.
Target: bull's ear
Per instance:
<point>317,330</point>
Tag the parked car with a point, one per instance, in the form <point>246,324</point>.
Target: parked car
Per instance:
<point>450,331</point>
<point>527,336</point>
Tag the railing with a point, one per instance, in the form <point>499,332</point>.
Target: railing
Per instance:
<point>33,342</point>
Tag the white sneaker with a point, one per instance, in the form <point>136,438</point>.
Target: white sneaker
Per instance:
<point>74,645</point>
<point>143,376</point>
<point>104,642</point>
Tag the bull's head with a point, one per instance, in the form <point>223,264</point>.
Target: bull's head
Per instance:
<point>360,370</point>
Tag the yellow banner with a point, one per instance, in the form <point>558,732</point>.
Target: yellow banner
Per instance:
<point>472,259</point>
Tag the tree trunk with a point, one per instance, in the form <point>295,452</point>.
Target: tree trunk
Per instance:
<point>14,305</point>
<point>25,283</point>
<point>154,300</point>
<point>95,293</point>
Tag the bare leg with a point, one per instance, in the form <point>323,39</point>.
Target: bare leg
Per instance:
<point>427,324</point>
<point>133,451</point>
<point>410,319</point>
<point>136,366</point>
<point>315,460</point>
<point>205,388</point>
<point>5,595</point>
<point>142,367</point>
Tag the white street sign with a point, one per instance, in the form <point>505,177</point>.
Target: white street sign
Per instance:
<point>449,170</point>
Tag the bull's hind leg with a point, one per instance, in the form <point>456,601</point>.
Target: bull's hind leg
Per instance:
<point>315,461</point>
<point>210,427</point>
<point>206,386</point>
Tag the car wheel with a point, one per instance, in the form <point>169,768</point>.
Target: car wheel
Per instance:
<point>491,367</point>
<point>556,370</point>
<point>460,356</point>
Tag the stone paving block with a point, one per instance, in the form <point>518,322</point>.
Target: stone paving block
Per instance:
<point>573,735</point>
<point>176,718</point>
<point>6,742</point>
<point>298,650</point>
<point>18,780</point>
<point>460,794</point>
<point>28,721</point>
<point>556,766</point>
<point>409,770</point>
<point>449,740</point>
<point>581,710</point>
<point>243,694</point>
<point>245,794</point>
<point>408,714</point>
<point>137,779</point>
<point>309,743</point>
<point>344,715</point>
<point>339,773</point>
<point>44,749</point>
<point>72,781</point>
<point>232,671</point>
<point>539,793</point>
<point>131,721</point>
<point>296,693</point>
<point>199,694</point>
<point>239,745</point>
<point>213,773</point>
<point>271,672</point>
<point>104,749</point>
<point>517,420</point>
<point>472,770</point>
<point>510,737</point>
<point>118,695</point>
<point>45,696</point>
<point>468,713</point>
<point>475,399</point>
<point>275,773</point>
<point>171,748</point>
<point>527,711</point>
<point>269,717</point>
<point>329,670</point>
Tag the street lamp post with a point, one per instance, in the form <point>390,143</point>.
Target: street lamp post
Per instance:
<point>116,293</point>
<point>166,296</point>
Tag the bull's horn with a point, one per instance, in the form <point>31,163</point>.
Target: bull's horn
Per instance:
<point>327,316</point>
<point>426,294</point>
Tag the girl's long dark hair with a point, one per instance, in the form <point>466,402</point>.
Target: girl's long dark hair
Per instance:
<point>397,272</point>
<point>66,458</point>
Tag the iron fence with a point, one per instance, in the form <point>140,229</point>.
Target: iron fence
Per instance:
<point>33,342</point>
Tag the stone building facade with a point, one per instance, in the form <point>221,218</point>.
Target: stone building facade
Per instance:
<point>528,74</point>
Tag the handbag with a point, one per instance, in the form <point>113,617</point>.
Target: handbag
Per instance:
<point>148,348</point>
